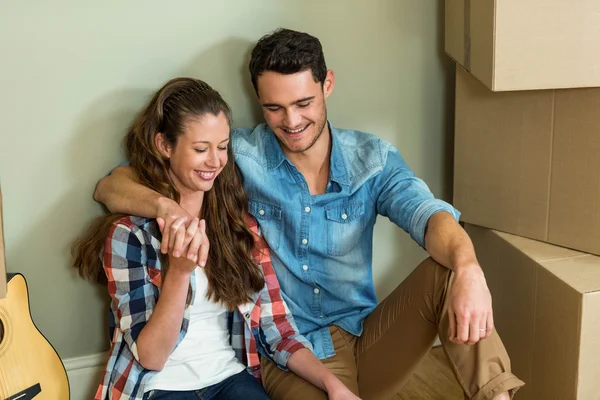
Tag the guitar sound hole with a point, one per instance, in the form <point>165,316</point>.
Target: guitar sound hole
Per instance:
<point>1,331</point>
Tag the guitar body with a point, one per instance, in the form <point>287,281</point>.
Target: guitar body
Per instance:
<point>29,366</point>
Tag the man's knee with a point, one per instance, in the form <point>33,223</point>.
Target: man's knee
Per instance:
<point>434,271</point>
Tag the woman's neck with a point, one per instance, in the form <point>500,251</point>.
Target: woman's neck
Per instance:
<point>192,203</point>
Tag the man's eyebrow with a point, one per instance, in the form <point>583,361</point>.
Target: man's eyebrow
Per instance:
<point>303,100</point>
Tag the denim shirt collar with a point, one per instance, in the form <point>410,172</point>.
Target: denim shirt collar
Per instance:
<point>338,171</point>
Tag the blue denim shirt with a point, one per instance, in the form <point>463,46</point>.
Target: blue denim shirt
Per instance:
<point>322,245</point>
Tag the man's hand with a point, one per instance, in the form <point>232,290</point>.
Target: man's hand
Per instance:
<point>182,232</point>
<point>470,307</point>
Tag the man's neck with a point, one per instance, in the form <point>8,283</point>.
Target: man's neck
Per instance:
<point>313,163</point>
<point>312,159</point>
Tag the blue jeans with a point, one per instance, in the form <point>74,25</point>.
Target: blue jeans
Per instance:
<point>238,386</point>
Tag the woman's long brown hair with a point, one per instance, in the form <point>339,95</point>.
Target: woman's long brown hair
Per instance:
<point>232,274</point>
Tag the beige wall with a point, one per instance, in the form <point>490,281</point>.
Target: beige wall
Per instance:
<point>72,76</point>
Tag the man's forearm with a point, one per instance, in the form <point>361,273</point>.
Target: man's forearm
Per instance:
<point>120,192</point>
<point>448,243</point>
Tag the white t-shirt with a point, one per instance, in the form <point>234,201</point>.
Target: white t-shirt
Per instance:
<point>204,357</point>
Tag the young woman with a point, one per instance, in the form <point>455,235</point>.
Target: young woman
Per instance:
<point>182,331</point>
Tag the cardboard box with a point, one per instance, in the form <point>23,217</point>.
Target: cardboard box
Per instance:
<point>526,45</point>
<point>528,163</point>
<point>546,303</point>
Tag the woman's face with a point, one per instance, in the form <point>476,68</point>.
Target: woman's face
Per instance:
<point>200,153</point>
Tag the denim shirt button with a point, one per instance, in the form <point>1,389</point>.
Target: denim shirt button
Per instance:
<point>344,216</point>
<point>262,212</point>
<point>316,290</point>
<point>305,267</point>
<point>304,241</point>
<point>307,209</point>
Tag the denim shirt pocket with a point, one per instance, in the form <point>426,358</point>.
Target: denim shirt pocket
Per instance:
<point>269,218</point>
<point>345,225</point>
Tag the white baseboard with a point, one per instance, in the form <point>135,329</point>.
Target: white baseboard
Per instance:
<point>84,374</point>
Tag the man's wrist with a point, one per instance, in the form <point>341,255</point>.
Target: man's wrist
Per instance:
<point>163,205</point>
<point>467,267</point>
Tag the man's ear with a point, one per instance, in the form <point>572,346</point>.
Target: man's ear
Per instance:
<point>329,83</point>
<point>161,144</point>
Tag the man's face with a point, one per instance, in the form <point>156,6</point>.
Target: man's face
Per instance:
<point>294,107</point>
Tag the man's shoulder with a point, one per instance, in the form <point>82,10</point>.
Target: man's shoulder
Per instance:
<point>364,152</point>
<point>245,139</point>
<point>250,143</point>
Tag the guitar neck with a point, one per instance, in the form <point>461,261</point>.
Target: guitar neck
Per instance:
<point>2,254</point>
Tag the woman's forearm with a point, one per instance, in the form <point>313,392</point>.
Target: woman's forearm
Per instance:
<point>159,337</point>
<point>307,366</point>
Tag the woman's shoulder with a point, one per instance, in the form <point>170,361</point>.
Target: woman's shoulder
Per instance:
<point>144,229</point>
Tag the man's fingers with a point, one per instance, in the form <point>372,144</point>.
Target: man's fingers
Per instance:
<point>193,249</point>
<point>204,246</point>
<point>190,232</point>
<point>452,319</point>
<point>179,239</point>
<point>474,331</point>
<point>462,328</point>
<point>165,230</point>
<point>167,235</point>
<point>176,229</point>
<point>489,328</point>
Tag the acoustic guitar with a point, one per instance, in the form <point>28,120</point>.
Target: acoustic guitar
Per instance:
<point>29,366</point>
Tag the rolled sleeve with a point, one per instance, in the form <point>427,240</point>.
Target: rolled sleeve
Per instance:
<point>289,346</point>
<point>420,218</point>
<point>129,285</point>
<point>406,199</point>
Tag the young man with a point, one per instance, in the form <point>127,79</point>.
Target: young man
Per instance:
<point>316,192</point>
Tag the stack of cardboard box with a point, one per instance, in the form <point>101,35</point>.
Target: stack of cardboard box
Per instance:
<point>527,179</point>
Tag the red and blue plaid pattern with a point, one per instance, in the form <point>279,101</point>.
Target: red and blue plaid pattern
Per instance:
<point>132,266</point>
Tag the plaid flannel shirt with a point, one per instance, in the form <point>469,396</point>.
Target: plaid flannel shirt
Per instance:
<point>132,266</point>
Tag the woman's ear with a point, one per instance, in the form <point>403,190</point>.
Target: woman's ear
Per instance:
<point>162,145</point>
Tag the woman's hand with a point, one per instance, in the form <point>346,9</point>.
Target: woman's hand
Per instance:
<point>181,259</point>
<point>182,233</point>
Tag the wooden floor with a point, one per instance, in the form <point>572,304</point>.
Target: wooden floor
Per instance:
<point>433,380</point>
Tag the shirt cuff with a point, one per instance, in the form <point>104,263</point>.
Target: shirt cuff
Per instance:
<point>289,347</point>
<point>420,218</point>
